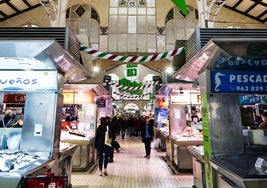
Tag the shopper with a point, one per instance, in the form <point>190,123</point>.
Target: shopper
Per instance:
<point>130,125</point>
<point>263,125</point>
<point>123,126</point>
<point>103,146</point>
<point>147,134</point>
<point>112,135</point>
<point>8,120</point>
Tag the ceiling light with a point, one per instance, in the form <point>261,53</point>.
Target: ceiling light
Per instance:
<point>169,70</point>
<point>96,69</point>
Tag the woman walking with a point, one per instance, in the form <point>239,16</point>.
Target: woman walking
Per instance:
<point>103,146</point>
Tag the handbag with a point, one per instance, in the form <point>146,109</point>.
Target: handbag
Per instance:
<point>107,140</point>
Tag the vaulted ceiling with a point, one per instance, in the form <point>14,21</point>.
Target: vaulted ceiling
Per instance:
<point>255,9</point>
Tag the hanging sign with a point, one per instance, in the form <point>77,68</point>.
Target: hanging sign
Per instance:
<point>131,70</point>
<point>238,82</point>
<point>101,103</point>
<point>14,98</point>
<point>252,99</point>
<point>236,62</point>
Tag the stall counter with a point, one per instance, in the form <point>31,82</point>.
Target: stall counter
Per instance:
<point>182,159</point>
<point>197,153</point>
<point>239,171</point>
<point>84,157</point>
<point>66,152</point>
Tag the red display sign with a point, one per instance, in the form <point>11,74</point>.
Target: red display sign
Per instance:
<point>14,98</point>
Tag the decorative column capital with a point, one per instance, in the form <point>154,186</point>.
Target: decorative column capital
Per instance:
<point>104,30</point>
<point>161,30</point>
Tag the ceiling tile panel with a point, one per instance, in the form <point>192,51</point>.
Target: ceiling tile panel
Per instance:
<point>19,4</point>
<point>257,10</point>
<point>245,5</point>
<point>231,3</point>
<point>33,2</point>
<point>7,9</point>
<point>264,17</point>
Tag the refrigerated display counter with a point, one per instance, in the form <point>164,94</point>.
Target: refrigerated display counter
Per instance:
<point>238,171</point>
<point>197,153</point>
<point>84,157</point>
<point>182,158</point>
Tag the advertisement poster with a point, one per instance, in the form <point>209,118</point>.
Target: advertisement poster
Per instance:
<point>161,117</point>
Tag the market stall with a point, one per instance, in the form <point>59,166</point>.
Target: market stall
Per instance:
<point>180,131</point>
<point>79,121</point>
<point>35,69</point>
<point>229,69</point>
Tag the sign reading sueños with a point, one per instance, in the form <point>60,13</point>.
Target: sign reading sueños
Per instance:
<point>238,82</point>
<point>28,80</point>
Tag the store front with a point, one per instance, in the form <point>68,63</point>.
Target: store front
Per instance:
<point>176,128</point>
<point>229,71</point>
<point>32,75</point>
<point>83,105</point>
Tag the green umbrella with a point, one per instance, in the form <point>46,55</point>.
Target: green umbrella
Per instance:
<point>181,5</point>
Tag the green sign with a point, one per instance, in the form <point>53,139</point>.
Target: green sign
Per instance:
<point>131,70</point>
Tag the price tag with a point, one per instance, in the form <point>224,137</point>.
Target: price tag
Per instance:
<point>260,163</point>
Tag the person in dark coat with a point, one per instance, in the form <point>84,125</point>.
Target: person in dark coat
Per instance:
<point>263,125</point>
<point>8,120</point>
<point>123,126</point>
<point>147,134</point>
<point>112,135</point>
<point>103,146</point>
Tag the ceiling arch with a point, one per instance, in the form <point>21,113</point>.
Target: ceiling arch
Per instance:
<point>255,9</point>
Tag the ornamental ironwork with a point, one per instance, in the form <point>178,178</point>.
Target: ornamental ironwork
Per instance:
<point>132,3</point>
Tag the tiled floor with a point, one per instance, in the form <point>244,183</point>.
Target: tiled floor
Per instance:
<point>131,170</point>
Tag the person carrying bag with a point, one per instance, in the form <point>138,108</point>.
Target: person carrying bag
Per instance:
<point>103,146</point>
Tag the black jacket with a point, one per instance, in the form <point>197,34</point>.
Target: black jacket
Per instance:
<point>7,121</point>
<point>100,136</point>
<point>150,129</point>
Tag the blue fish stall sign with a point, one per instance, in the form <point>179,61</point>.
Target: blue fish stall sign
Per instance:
<point>239,82</point>
<point>251,99</point>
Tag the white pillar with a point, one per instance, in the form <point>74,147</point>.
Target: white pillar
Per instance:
<point>202,13</point>
<point>60,14</point>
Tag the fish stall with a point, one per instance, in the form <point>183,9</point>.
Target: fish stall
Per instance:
<point>32,74</point>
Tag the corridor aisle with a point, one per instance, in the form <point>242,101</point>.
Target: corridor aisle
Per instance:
<point>131,170</point>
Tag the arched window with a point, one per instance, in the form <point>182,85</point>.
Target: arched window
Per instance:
<point>132,26</point>
<point>178,26</point>
<point>83,20</point>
